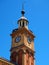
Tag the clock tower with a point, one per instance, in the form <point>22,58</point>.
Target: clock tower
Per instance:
<point>22,48</point>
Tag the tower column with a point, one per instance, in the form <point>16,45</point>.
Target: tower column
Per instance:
<point>24,58</point>
<point>29,59</point>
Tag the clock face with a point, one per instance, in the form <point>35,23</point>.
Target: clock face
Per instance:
<point>18,38</point>
<point>29,40</point>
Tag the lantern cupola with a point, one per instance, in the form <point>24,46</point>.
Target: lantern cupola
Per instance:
<point>23,22</point>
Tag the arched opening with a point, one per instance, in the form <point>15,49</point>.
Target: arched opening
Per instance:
<point>23,24</point>
<point>20,23</point>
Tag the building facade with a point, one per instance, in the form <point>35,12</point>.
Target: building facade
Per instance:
<point>22,49</point>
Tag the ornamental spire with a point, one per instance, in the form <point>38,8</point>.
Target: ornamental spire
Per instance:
<point>23,22</point>
<point>23,12</point>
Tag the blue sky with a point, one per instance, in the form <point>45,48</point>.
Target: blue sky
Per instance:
<point>37,12</point>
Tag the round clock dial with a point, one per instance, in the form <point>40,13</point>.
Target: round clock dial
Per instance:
<point>18,39</point>
<point>29,40</point>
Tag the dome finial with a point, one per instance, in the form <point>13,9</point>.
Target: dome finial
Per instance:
<point>23,12</point>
